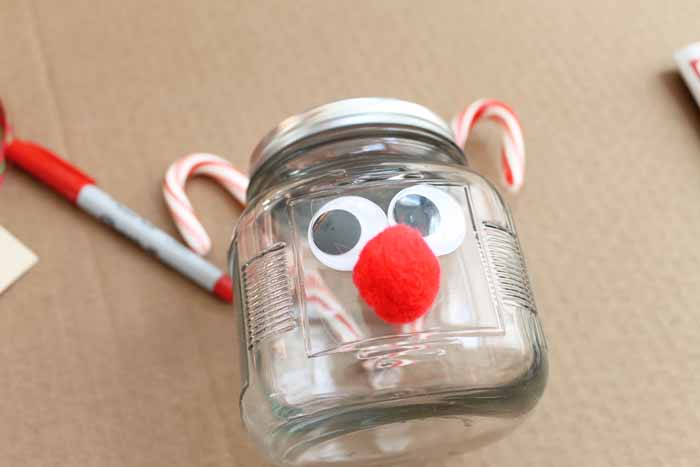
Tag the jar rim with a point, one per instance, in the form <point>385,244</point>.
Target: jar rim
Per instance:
<point>363,111</point>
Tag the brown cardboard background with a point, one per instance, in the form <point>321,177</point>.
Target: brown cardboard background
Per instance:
<point>107,358</point>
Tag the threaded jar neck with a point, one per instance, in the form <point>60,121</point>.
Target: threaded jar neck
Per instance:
<point>338,132</point>
<point>346,147</point>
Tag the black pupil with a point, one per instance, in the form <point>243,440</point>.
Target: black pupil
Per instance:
<point>418,212</point>
<point>336,232</point>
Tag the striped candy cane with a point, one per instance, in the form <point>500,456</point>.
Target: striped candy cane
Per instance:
<point>321,300</point>
<point>179,205</point>
<point>513,146</point>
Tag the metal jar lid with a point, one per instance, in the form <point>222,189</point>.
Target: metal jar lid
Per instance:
<point>365,111</point>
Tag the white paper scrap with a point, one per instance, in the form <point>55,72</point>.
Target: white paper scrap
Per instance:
<point>15,259</point>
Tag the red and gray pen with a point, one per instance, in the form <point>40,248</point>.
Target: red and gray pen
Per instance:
<point>81,190</point>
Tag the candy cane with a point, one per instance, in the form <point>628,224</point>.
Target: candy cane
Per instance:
<point>513,146</point>
<point>323,303</point>
<point>319,297</point>
<point>179,205</point>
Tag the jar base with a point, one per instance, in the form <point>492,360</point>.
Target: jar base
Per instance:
<point>407,429</point>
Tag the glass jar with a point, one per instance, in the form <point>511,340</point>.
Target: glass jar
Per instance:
<point>384,308</point>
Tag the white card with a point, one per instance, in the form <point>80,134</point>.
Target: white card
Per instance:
<point>15,259</point>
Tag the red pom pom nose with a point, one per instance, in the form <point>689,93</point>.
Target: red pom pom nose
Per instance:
<point>398,275</point>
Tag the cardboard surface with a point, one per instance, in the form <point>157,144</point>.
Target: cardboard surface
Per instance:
<point>108,358</point>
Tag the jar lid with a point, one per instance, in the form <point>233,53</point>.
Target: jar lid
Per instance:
<point>364,111</point>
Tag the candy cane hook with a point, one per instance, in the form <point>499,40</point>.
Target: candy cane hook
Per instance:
<point>179,205</point>
<point>513,146</point>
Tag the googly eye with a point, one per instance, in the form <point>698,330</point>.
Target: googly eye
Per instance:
<point>434,213</point>
<point>341,228</point>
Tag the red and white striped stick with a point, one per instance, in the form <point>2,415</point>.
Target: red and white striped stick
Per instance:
<point>513,146</point>
<point>321,300</point>
<point>318,295</point>
<point>179,205</point>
